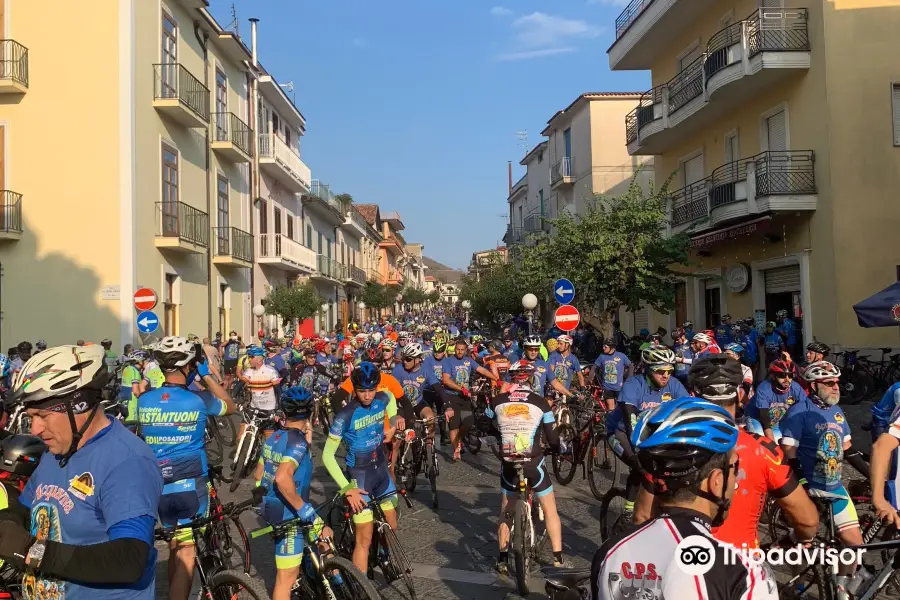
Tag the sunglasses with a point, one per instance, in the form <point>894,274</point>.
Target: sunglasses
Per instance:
<point>662,371</point>
<point>784,376</point>
<point>834,383</point>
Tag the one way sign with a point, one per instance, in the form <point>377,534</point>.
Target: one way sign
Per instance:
<point>147,322</point>
<point>563,291</point>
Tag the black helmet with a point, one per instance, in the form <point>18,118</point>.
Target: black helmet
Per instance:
<point>297,403</point>
<point>21,454</point>
<point>819,348</point>
<point>716,378</point>
<point>24,347</point>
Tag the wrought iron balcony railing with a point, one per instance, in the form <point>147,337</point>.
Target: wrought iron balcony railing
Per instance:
<point>14,61</point>
<point>230,128</point>
<point>10,212</point>
<point>785,172</point>
<point>561,169</point>
<point>172,81</point>
<point>182,221</point>
<point>231,241</point>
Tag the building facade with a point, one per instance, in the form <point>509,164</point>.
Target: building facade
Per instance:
<point>779,128</point>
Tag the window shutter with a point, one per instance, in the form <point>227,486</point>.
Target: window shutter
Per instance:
<point>895,107</point>
<point>776,126</point>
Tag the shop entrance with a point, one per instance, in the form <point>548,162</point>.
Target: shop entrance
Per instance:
<point>783,293</point>
<point>713,306</point>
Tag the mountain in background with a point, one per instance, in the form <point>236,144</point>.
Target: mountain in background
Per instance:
<point>442,272</point>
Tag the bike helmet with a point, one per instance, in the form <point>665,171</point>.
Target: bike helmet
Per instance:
<point>688,324</point>
<point>365,377</point>
<point>347,353</point>
<point>734,347</point>
<point>657,356</point>
<point>819,348</point>
<point>309,352</point>
<point>20,454</point>
<point>4,365</point>
<point>412,351</point>
<point>387,344</point>
<point>521,369</point>
<point>716,378</point>
<point>496,344</point>
<point>174,352</point>
<point>297,402</point>
<point>702,338</point>
<point>440,344</point>
<point>780,367</point>
<point>782,314</point>
<point>675,439</point>
<point>726,317</point>
<point>565,339</point>
<point>403,335</point>
<point>532,341</point>
<point>138,356</point>
<point>255,351</point>
<point>41,345</point>
<point>821,370</point>
<point>24,348</point>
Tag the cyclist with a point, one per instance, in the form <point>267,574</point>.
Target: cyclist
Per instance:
<point>723,332</point>
<point>682,349</point>
<point>524,421</point>
<point>687,447</point>
<point>564,364</point>
<point>773,343</point>
<point>231,351</point>
<point>884,472</point>
<point>387,359</point>
<point>23,353</point>
<point>173,423</point>
<point>787,329</point>
<point>364,426</point>
<point>435,362</point>
<point>110,358</point>
<point>774,397</point>
<point>815,352</point>
<point>91,504</point>
<point>456,378</point>
<point>718,379</point>
<point>510,347</point>
<point>40,345</point>
<point>495,362</point>
<point>285,469</point>
<point>415,380</point>
<point>543,374</point>
<point>615,368</point>
<point>815,435</point>
<point>403,338</point>
<point>736,351</point>
<point>134,383</point>
<point>702,344</point>
<point>262,379</point>
<point>640,394</point>
<point>688,327</point>
<point>311,372</point>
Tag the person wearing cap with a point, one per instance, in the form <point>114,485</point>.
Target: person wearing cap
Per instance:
<point>564,364</point>
<point>615,367</point>
<point>723,331</point>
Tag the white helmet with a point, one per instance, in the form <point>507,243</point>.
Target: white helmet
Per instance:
<point>375,336</point>
<point>403,335</point>
<point>532,341</point>
<point>702,338</point>
<point>821,370</point>
<point>173,352</point>
<point>564,339</point>
<point>60,371</point>
<point>412,351</point>
<point>657,356</point>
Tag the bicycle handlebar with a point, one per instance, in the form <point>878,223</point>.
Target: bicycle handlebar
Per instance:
<point>228,510</point>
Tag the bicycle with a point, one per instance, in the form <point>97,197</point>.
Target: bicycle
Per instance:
<point>236,554</point>
<point>331,578</point>
<point>416,455</point>
<point>855,383</point>
<point>883,373</point>
<point>385,551</point>
<point>249,446</point>
<point>483,424</point>
<point>215,580</point>
<point>588,448</point>
<point>524,549</point>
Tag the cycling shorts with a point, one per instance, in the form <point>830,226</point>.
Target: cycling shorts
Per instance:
<point>754,426</point>
<point>417,410</point>
<point>230,366</point>
<point>610,394</point>
<point>180,502</point>
<point>535,472</point>
<point>376,480</point>
<point>845,516</point>
<point>462,408</point>
<point>289,547</point>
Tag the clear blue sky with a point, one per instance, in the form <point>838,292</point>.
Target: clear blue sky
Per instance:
<point>414,104</point>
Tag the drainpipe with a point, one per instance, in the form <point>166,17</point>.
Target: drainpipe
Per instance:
<point>209,287</point>
<point>254,166</point>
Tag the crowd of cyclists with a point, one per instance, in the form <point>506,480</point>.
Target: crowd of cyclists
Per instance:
<point>712,429</point>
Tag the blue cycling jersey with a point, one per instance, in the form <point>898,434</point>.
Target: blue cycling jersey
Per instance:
<point>683,351</point>
<point>819,433</point>
<point>362,430</point>
<point>285,446</point>
<point>640,393</point>
<point>543,375</point>
<point>434,365</point>
<point>414,383</point>
<point>789,329</point>
<point>564,368</point>
<point>723,334</point>
<point>460,370</point>
<point>612,370</point>
<point>884,409</point>
<point>277,362</point>
<point>777,404</point>
<point>173,423</point>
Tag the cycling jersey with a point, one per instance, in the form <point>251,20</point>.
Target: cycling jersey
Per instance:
<point>277,362</point>
<point>543,375</point>
<point>362,429</point>
<point>173,423</point>
<point>153,374</point>
<point>261,383</point>
<point>762,471</point>
<point>307,376</point>
<point>388,384</point>
<point>460,371</point>
<point>564,368</point>
<point>640,393</point>
<point>611,370</point>
<point>415,382</point>
<point>883,410</point>
<point>789,329</point>
<point>285,446</point>
<point>232,350</point>
<point>386,366</point>
<point>643,564</point>
<point>777,404</point>
<point>773,343</point>
<point>324,359</point>
<point>723,335</point>
<point>751,352</point>
<point>683,351</point>
<point>819,432</point>
<point>498,365</point>
<point>435,365</point>
<point>523,419</point>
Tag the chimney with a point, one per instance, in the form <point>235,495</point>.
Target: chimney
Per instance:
<point>253,23</point>
<point>509,175</point>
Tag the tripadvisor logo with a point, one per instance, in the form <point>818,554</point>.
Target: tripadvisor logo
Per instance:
<point>696,555</point>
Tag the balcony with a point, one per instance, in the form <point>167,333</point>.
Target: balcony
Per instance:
<point>231,137</point>
<point>740,61</point>
<point>233,247</point>
<point>281,252</point>
<point>328,269</point>
<point>514,235</point>
<point>354,275</point>
<point>519,188</point>
<point>355,223</point>
<point>536,222</point>
<point>375,276</point>
<point>10,215</point>
<point>13,67</point>
<point>749,187</point>
<point>181,227</point>
<point>561,173</point>
<point>392,245</point>
<point>180,95</point>
<point>283,163</point>
<point>395,278</point>
<point>322,201</point>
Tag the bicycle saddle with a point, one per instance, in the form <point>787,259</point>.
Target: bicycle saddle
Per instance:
<point>823,495</point>
<point>885,350</point>
<point>565,579</point>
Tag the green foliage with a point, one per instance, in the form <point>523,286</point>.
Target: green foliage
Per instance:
<point>293,302</point>
<point>496,294</point>
<point>344,198</point>
<point>413,295</point>
<point>433,296</point>
<point>378,296</point>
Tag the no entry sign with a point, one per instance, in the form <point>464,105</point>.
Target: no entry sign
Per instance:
<point>144,299</point>
<point>567,317</point>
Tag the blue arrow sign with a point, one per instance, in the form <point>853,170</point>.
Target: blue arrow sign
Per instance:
<point>563,291</point>
<point>147,322</point>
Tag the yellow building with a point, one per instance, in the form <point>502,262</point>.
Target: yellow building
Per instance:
<point>132,169</point>
<point>779,126</point>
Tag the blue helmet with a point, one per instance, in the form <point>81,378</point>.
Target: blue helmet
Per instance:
<point>678,437</point>
<point>254,351</point>
<point>734,347</point>
<point>365,377</point>
<point>297,402</point>
<point>4,365</point>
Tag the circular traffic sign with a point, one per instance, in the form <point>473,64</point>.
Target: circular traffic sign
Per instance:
<point>145,299</point>
<point>567,317</point>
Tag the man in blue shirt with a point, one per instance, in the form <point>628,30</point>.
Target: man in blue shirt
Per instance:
<point>173,423</point>
<point>543,374</point>
<point>787,329</point>
<point>434,362</point>
<point>457,371</point>
<point>416,379</point>
<point>772,401</point>
<point>682,348</point>
<point>723,331</point>
<point>564,364</point>
<point>614,368</point>
<point>83,526</point>
<point>688,327</point>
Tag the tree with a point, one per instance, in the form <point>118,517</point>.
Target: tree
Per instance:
<point>433,296</point>
<point>344,198</point>
<point>616,253</point>
<point>413,295</point>
<point>377,296</point>
<point>496,295</point>
<point>293,302</point>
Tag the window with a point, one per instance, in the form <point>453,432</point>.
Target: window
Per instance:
<point>567,141</point>
<point>169,58</point>
<point>169,203</point>
<point>223,312</point>
<point>290,226</point>
<point>521,218</point>
<point>221,106</point>
<point>732,147</point>
<point>170,307</point>
<point>328,246</point>
<point>320,244</point>
<point>222,229</point>
<point>287,136</point>
<point>692,168</point>
<point>541,200</point>
<point>540,157</point>
<point>277,220</point>
<point>309,236</point>
<point>263,217</point>
<point>776,132</point>
<point>895,109</point>
<point>276,129</point>
<point>689,56</point>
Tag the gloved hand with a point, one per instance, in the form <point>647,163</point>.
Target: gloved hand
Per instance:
<point>465,392</point>
<point>307,513</point>
<point>563,447</point>
<point>202,368</point>
<point>14,543</point>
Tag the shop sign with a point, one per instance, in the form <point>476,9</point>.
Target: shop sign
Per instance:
<point>724,235</point>
<point>737,278</point>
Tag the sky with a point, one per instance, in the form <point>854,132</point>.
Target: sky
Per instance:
<point>415,104</point>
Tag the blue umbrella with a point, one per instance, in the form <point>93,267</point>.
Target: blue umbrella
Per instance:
<point>881,309</point>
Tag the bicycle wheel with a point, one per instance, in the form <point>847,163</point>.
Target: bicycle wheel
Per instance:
<point>599,463</point>
<point>813,582</point>
<point>215,453</point>
<point>239,466</point>
<point>233,550</point>
<point>522,543</point>
<point>431,471</point>
<point>230,585</point>
<point>564,464</point>
<point>472,442</point>
<point>407,467</point>
<point>226,430</point>
<point>352,585</point>
<point>611,509</point>
<point>396,559</point>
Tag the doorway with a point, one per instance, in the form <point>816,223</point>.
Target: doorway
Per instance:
<point>713,306</point>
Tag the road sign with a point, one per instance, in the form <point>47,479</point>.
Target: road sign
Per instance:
<point>147,322</point>
<point>563,291</point>
<point>567,317</point>
<point>144,299</point>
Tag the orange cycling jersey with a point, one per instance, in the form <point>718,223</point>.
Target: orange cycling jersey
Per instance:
<point>762,470</point>
<point>498,365</point>
<point>388,383</point>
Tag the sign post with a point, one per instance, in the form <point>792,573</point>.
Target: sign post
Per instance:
<point>567,317</point>
<point>563,291</point>
<point>145,299</point>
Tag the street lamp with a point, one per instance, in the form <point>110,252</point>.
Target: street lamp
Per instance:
<point>258,311</point>
<point>466,306</point>
<point>529,303</point>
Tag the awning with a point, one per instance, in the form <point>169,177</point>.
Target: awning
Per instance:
<point>757,226</point>
<point>881,309</point>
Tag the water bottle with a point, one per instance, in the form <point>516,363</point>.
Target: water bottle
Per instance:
<point>861,581</point>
